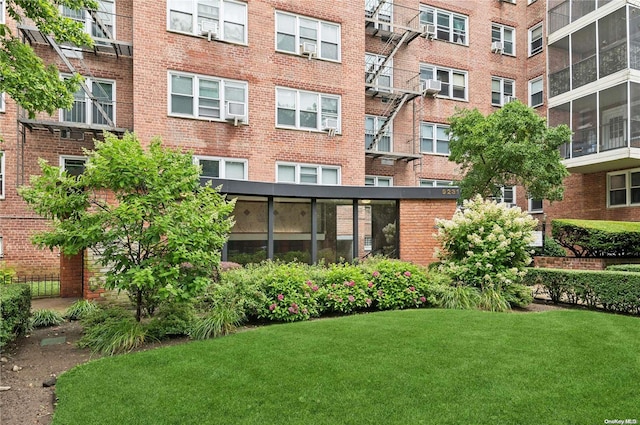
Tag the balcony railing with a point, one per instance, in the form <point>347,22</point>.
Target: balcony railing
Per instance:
<point>392,145</point>
<point>392,81</point>
<point>616,135</point>
<point>390,20</point>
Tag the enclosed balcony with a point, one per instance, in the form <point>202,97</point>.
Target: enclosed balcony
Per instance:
<point>562,12</point>
<point>390,21</point>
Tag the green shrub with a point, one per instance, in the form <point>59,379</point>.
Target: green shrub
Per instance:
<point>624,268</point>
<point>101,315</point>
<point>6,274</point>
<point>15,309</point>
<point>221,320</point>
<point>172,319</point>
<point>346,289</point>
<point>611,290</point>
<point>551,249</point>
<point>111,331</point>
<point>80,309</point>
<point>241,287</point>
<point>598,238</point>
<point>459,297</point>
<point>45,318</point>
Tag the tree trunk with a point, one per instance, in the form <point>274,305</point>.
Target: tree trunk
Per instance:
<point>139,305</point>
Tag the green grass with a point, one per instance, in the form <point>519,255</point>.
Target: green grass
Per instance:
<point>402,367</point>
<point>49,288</point>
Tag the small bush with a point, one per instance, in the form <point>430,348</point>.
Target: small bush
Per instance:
<point>101,315</point>
<point>221,320</point>
<point>44,318</point>
<point>346,289</point>
<point>112,331</point>
<point>80,309</point>
<point>173,319</point>
<point>598,238</point>
<point>6,274</point>
<point>459,297</point>
<point>15,309</point>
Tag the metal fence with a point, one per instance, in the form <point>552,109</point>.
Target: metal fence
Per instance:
<point>42,286</point>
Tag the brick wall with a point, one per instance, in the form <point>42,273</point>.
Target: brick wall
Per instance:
<point>71,267</point>
<point>574,263</point>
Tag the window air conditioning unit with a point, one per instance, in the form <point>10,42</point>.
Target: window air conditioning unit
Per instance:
<point>308,49</point>
<point>497,47</point>
<point>330,125</point>
<point>235,112</point>
<point>508,99</point>
<point>210,29</point>
<point>431,87</point>
<point>428,31</point>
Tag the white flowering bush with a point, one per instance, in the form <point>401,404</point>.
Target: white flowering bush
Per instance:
<point>486,245</point>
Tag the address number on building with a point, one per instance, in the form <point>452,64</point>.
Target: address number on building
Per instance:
<point>450,191</point>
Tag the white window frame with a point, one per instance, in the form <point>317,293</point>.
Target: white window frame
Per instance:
<point>434,128</point>
<point>436,183</point>
<point>503,92</point>
<point>224,84</point>
<point>530,2</point>
<point>429,15</point>
<point>452,72</point>
<point>223,166</point>
<point>320,115</point>
<point>375,181</point>
<point>535,210</point>
<point>2,105</point>
<point>63,160</point>
<point>501,199</point>
<point>2,12</point>
<point>377,123</point>
<point>107,16</point>
<point>540,81</point>
<point>319,169</point>
<point>88,104</point>
<point>372,64</point>
<point>532,40</point>
<point>502,29</point>
<point>627,188</point>
<point>320,35</point>
<point>1,247</point>
<point>195,31</point>
<point>3,178</point>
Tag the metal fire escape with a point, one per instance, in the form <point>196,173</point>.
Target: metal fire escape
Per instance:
<point>397,27</point>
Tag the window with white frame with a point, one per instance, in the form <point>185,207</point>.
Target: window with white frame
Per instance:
<point>434,138</point>
<point>453,82</point>
<point>226,19</point>
<point>2,20</point>
<point>2,161</point>
<point>74,165</point>
<point>1,247</point>
<point>507,195</point>
<point>381,181</point>
<point>505,35</point>
<point>302,35</point>
<point>306,110</point>
<point>502,90</point>
<point>535,205</point>
<point>106,13</point>
<point>372,64</point>
<point>205,97</point>
<point>530,1</point>
<point>383,13</point>
<point>449,26</point>
<point>1,102</point>
<point>372,126</point>
<point>623,188</point>
<point>436,183</point>
<point>85,111</point>
<point>307,174</point>
<point>222,168</point>
<point>535,92</point>
<point>535,39</point>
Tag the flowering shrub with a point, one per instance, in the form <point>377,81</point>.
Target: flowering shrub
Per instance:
<point>486,245</point>
<point>346,289</point>
<point>289,294</point>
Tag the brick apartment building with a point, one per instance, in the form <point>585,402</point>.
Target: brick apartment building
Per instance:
<point>271,98</point>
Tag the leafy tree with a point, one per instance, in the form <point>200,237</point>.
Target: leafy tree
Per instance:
<point>156,229</point>
<point>512,146</point>
<point>25,77</point>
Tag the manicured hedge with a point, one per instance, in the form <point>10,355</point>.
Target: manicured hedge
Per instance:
<point>15,309</point>
<point>598,238</point>
<point>611,290</point>
<point>624,268</point>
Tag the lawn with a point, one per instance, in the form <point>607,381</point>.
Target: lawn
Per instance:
<point>401,367</point>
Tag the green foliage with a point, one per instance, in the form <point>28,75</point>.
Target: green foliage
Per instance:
<point>598,238</point>
<point>612,290</point>
<point>80,309</point>
<point>486,246</point>
<point>459,297</point>
<point>111,331</point>
<point>512,146</point>
<point>15,309</point>
<point>624,268</point>
<point>43,318</point>
<point>221,320</point>
<point>6,274</point>
<point>347,289</point>
<point>160,239</point>
<point>551,248</point>
<point>25,78</point>
<point>173,319</point>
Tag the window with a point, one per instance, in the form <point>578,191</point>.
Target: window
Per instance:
<point>199,17</point>
<point>305,110</point>
<point>292,32</point>
<point>449,26</point>
<point>535,92</point>
<point>453,82</point>
<point>623,188</point>
<point>505,35</point>
<point>373,125</point>
<point>434,138</point>
<point>535,40</point>
<point>507,195</point>
<point>222,168</point>
<point>73,165</point>
<point>1,102</point>
<point>501,90</point>
<point>2,12</point>
<point>307,174</point>
<point>106,14</point>
<point>384,80</point>
<point>435,183</point>
<point>530,1</point>
<point>85,111</point>
<point>382,13</point>
<point>1,248</point>
<point>2,155</point>
<point>535,205</point>
<point>204,97</point>
<point>378,181</point>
